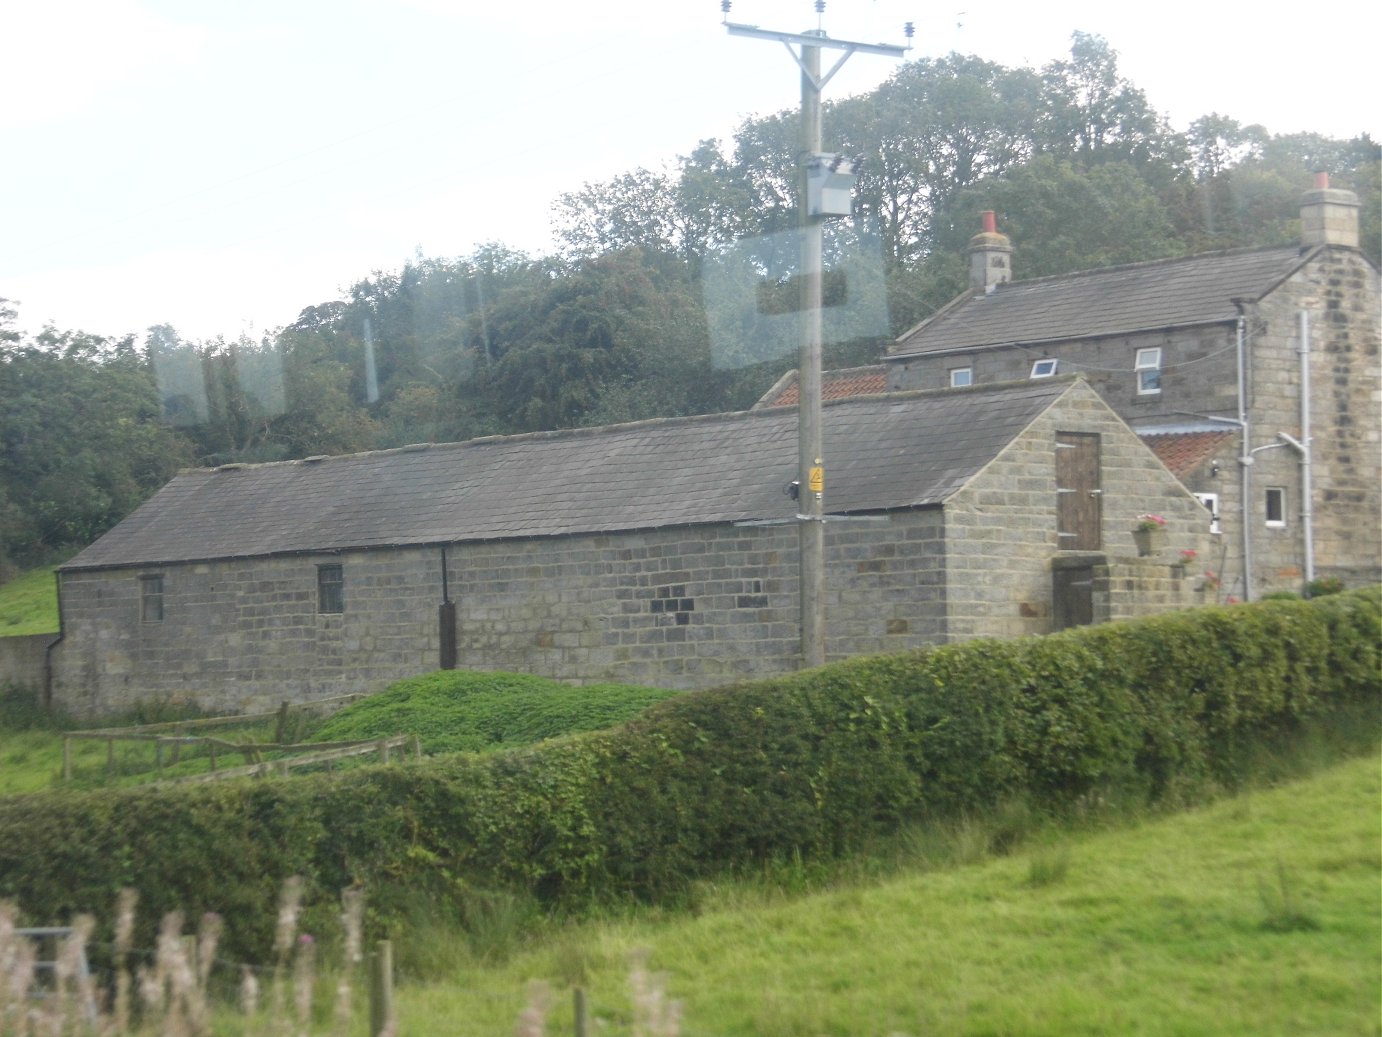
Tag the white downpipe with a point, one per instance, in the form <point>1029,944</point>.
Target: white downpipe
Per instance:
<point>1245,459</point>
<point>1307,511</point>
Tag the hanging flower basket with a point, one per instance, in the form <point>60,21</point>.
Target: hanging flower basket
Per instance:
<point>1149,541</point>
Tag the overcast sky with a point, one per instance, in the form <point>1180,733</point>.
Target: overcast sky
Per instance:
<point>221,165</point>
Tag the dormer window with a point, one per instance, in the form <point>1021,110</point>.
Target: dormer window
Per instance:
<point>1045,368</point>
<point>1147,365</point>
<point>961,377</point>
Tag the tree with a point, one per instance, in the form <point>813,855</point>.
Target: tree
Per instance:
<point>81,441</point>
<point>1092,114</point>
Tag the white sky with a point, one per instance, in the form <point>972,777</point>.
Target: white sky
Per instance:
<point>219,166</point>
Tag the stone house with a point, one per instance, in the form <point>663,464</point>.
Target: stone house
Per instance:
<point>660,552</point>
<point>1253,374</point>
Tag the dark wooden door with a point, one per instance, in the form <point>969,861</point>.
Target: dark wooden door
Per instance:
<point>1079,500</point>
<point>1073,597</point>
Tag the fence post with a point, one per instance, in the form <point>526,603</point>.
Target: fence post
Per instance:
<point>381,988</point>
<point>66,758</point>
<point>110,755</point>
<point>581,1011</point>
<point>281,730</point>
<point>383,750</point>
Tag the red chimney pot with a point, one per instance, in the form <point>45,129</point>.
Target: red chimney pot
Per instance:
<point>1321,181</point>
<point>990,221</point>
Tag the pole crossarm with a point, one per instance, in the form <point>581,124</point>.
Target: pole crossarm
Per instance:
<point>892,50</point>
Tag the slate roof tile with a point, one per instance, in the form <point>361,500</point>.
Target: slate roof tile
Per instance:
<point>882,452</point>
<point>1115,300</point>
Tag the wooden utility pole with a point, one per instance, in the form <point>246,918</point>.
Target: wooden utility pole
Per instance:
<point>810,451</point>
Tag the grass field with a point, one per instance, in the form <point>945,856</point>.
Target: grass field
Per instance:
<point>29,604</point>
<point>1257,915</point>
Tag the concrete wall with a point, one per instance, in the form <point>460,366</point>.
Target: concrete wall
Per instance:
<point>685,608</point>
<point>24,661</point>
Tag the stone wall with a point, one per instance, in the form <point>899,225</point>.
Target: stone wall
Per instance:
<point>684,608</point>
<point>1198,370</point>
<point>1339,290</point>
<point>1002,533</point>
<point>24,661</point>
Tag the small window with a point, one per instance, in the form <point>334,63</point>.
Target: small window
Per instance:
<point>151,599</point>
<point>961,376</point>
<point>1211,504</point>
<point>1276,506</point>
<point>1044,368</point>
<point>1148,368</point>
<point>330,589</point>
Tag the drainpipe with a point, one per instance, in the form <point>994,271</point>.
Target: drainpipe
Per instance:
<point>48,652</point>
<point>446,622</point>
<point>1245,459</point>
<point>1307,511</point>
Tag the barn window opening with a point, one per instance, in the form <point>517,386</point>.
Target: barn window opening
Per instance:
<point>330,589</point>
<point>151,599</point>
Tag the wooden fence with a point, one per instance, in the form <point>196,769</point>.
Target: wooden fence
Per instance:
<point>169,738</point>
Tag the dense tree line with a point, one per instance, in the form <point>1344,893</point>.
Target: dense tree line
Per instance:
<point>621,323</point>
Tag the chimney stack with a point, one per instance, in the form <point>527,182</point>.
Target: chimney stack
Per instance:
<point>989,255</point>
<point>1328,216</point>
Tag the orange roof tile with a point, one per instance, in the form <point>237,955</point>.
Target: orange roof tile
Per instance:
<point>1183,452</point>
<point>835,385</point>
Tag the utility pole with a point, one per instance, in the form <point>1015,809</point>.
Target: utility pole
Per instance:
<point>824,192</point>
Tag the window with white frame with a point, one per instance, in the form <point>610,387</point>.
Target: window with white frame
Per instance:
<point>1276,506</point>
<point>1045,368</point>
<point>1211,505</point>
<point>1147,365</point>
<point>961,377</point>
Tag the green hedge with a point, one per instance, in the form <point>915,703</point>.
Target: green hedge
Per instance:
<point>812,763</point>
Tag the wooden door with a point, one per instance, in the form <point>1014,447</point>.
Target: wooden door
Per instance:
<point>1079,500</point>
<point>1073,597</point>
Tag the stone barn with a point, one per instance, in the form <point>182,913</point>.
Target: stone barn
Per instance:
<point>661,552</point>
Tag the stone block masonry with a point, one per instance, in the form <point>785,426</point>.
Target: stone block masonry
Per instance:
<point>683,607</point>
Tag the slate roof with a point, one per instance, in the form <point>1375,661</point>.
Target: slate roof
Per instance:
<point>882,452</point>
<point>1115,300</point>
<point>1183,452</point>
<point>835,385</point>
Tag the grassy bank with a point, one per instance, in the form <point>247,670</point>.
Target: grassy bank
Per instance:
<point>29,604</point>
<point>1256,915</point>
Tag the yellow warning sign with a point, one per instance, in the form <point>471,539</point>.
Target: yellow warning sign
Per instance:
<point>816,481</point>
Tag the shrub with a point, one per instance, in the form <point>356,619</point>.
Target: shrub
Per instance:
<point>807,765</point>
<point>455,710</point>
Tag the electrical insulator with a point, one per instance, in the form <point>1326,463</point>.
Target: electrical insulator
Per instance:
<point>725,5</point>
<point>908,30</point>
<point>820,6</point>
